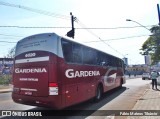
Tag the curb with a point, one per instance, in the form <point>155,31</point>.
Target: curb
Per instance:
<point>5,91</point>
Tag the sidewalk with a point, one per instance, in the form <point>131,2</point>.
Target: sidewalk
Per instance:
<point>5,89</point>
<point>149,102</point>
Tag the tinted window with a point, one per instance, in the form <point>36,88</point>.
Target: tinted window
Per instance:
<point>101,59</point>
<point>77,53</point>
<point>89,56</point>
<point>72,51</point>
<point>67,51</point>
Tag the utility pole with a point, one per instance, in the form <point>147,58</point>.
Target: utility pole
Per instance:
<point>72,31</point>
<point>158,13</point>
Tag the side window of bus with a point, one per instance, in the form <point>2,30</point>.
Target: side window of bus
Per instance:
<point>67,50</point>
<point>77,53</point>
<point>109,61</point>
<point>89,56</point>
<point>113,61</point>
<point>106,61</point>
<point>102,59</point>
<point>98,59</point>
<point>119,63</point>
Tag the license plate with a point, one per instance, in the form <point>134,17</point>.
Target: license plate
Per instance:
<point>26,93</point>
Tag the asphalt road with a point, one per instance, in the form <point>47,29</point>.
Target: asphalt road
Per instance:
<point>119,99</point>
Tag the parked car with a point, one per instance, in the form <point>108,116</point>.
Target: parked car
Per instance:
<point>146,76</point>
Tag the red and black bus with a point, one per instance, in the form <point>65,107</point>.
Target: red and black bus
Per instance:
<point>53,71</point>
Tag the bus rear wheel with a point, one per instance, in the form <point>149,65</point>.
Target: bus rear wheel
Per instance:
<point>121,82</point>
<point>98,94</point>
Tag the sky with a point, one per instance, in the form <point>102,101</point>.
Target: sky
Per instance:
<point>121,38</point>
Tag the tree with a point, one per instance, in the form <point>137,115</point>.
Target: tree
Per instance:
<point>152,45</point>
<point>11,53</point>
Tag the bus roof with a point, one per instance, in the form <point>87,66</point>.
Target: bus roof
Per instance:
<point>26,39</point>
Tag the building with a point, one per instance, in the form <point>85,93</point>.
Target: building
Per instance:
<point>147,59</point>
<point>125,61</point>
<point>6,65</point>
<point>137,69</point>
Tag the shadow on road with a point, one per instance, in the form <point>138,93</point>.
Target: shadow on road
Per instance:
<point>79,111</point>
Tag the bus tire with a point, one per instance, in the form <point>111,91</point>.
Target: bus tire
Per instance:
<point>98,94</point>
<point>121,83</point>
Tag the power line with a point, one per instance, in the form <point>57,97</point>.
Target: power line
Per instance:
<point>114,27</point>
<point>88,41</point>
<point>36,10</point>
<point>32,27</point>
<point>8,35</point>
<point>118,38</point>
<point>98,28</point>
<point>7,42</point>
<point>103,40</point>
<point>81,24</point>
<point>8,39</point>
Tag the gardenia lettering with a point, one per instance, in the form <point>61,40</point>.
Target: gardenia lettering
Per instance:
<point>70,73</point>
<point>34,70</point>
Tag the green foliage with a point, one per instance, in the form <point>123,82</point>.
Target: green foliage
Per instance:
<point>5,79</point>
<point>11,53</point>
<point>152,45</point>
